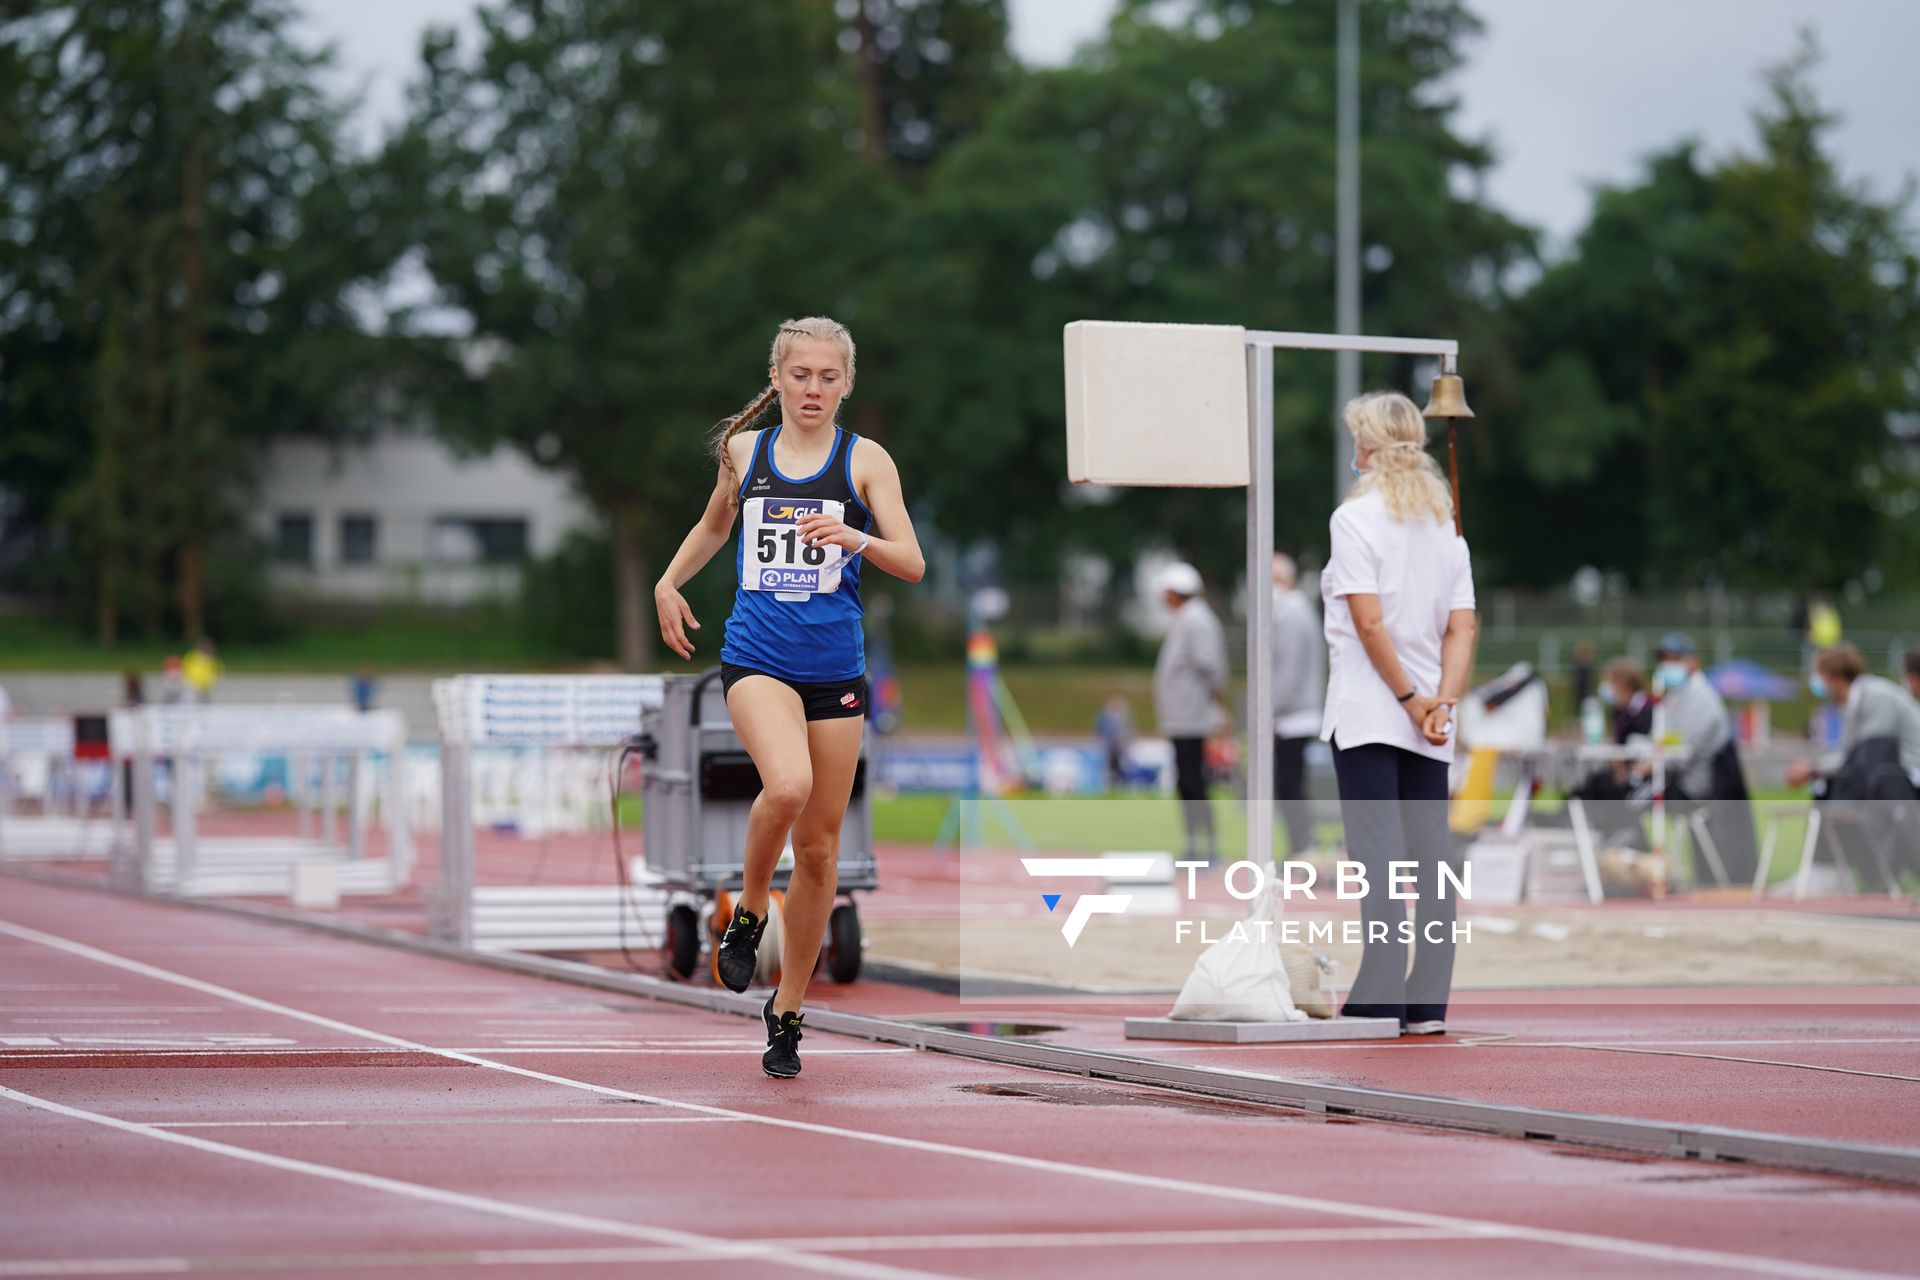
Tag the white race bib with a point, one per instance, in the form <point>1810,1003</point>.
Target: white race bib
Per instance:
<point>776,559</point>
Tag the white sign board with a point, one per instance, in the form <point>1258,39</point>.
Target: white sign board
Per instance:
<point>1156,404</point>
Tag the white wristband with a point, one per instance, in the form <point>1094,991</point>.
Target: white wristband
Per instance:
<point>865,538</point>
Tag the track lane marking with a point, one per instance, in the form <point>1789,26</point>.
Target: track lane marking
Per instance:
<point>49,1267</point>
<point>710,1247</point>
<point>389,1124</point>
<point>1587,1241</point>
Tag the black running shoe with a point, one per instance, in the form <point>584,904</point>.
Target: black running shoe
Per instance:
<point>740,948</point>
<point>782,1058</point>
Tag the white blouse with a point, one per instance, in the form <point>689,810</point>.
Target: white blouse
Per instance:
<point>1421,571</point>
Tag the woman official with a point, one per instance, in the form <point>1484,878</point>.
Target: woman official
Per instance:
<point>1398,602</point>
<point>816,502</point>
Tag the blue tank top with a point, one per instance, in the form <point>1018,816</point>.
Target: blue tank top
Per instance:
<point>816,639</point>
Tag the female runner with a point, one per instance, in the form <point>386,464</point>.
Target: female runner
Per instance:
<point>816,501</point>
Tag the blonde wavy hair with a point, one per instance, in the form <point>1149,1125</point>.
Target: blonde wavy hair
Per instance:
<point>1401,471</point>
<point>819,328</point>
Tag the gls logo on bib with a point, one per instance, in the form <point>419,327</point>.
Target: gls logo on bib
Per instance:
<point>774,556</point>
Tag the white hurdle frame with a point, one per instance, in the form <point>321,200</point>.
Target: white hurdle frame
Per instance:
<point>1260,345</point>
<point>189,734</point>
<point>514,711</point>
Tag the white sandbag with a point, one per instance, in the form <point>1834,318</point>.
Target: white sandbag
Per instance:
<point>1243,977</point>
<point>1309,979</point>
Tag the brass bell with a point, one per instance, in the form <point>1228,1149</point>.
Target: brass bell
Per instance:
<point>1449,398</point>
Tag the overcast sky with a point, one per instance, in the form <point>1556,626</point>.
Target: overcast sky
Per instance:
<point>1570,94</point>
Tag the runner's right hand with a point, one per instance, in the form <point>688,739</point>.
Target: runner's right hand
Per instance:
<point>675,619</point>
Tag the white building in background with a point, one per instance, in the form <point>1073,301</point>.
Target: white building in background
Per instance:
<point>404,519</point>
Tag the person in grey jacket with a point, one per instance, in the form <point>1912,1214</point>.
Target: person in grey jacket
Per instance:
<point>1694,710</point>
<point>1188,679</point>
<point>1875,707</point>
<point>1873,776</point>
<point>1299,699</point>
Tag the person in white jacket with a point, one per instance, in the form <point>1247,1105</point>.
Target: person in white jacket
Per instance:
<point>1398,598</point>
<point>1188,679</point>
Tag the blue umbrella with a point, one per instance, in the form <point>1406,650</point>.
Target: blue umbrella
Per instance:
<point>1744,680</point>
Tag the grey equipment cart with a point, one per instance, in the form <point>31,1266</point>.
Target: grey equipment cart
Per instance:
<point>698,786</point>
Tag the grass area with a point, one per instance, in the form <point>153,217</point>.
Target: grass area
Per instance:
<point>409,640</point>
<point>1052,699</point>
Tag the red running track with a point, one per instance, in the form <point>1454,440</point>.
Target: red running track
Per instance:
<point>181,1090</point>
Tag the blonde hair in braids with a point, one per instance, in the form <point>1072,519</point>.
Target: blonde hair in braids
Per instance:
<point>820,329</point>
<point>1401,471</point>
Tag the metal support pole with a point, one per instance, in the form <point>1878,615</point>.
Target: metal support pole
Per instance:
<point>1346,377</point>
<point>184,811</point>
<point>399,820</point>
<point>1260,606</point>
<point>456,844</point>
<point>329,798</point>
<point>130,864</point>
<point>300,781</point>
<point>359,783</point>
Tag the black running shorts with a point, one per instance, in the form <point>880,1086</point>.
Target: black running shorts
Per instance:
<point>833,700</point>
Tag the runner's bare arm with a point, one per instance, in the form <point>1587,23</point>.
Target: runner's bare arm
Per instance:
<point>707,536</point>
<point>893,547</point>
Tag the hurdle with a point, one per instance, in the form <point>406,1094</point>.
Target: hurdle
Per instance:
<point>39,763</point>
<point>189,863</point>
<point>509,747</point>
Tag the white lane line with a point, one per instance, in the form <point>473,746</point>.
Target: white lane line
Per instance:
<point>530,1015</point>
<point>1485,1228</point>
<point>113,1008</point>
<point>390,988</point>
<point>1804,1041</point>
<point>839,1244</point>
<point>754,1048</point>
<point>664,1042</point>
<point>98,1022</point>
<point>390,1124</point>
<point>707,1246</point>
<point>25,1056</point>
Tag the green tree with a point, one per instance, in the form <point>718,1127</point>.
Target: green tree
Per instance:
<point>180,236</point>
<point>1714,377</point>
<point>625,198</point>
<point>1181,170</point>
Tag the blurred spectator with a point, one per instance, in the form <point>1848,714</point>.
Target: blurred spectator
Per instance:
<point>1823,624</point>
<point>201,670</point>
<point>173,684</point>
<point>1114,725</point>
<point>1869,784</point>
<point>1623,688</point>
<point>1608,790</point>
<point>361,687</point>
<point>1694,713</point>
<point>1706,768</point>
<point>1582,673</point>
<point>1188,678</point>
<point>1299,695</point>
<point>6,703</point>
<point>1874,709</point>
<point>1910,669</point>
